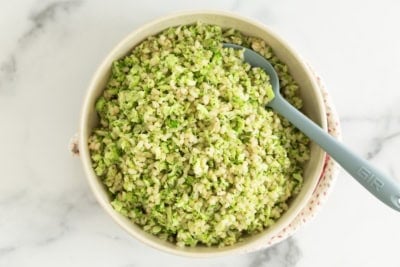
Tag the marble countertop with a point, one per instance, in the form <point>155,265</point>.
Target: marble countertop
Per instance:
<point>49,51</point>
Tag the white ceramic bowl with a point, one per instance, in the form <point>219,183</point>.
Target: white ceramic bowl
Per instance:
<point>313,108</point>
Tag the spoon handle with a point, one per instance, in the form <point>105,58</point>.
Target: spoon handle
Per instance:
<point>375,181</point>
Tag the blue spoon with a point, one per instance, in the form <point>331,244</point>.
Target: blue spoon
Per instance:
<point>380,185</point>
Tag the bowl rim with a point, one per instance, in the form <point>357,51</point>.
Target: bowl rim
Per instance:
<point>85,155</point>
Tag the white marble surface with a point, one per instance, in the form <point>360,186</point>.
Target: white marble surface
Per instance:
<point>50,49</point>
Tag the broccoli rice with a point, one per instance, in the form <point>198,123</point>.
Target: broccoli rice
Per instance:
<point>185,145</point>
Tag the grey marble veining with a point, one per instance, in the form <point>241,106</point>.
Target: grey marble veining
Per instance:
<point>7,70</point>
<point>45,16</point>
<point>387,129</point>
<point>50,49</point>
<point>39,20</point>
<point>286,253</point>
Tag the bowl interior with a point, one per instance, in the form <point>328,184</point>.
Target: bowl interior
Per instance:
<point>313,108</point>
